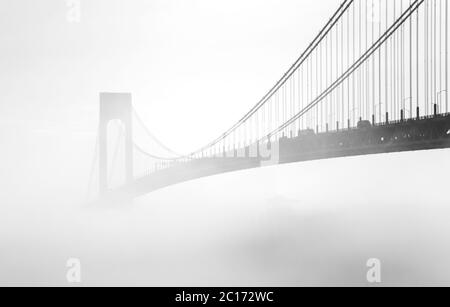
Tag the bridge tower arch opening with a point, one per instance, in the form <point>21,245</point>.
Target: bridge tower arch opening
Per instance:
<point>115,106</point>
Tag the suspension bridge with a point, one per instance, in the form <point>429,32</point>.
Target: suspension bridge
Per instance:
<point>374,80</point>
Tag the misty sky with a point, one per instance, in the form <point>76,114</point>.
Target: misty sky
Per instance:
<point>193,67</point>
<point>188,63</point>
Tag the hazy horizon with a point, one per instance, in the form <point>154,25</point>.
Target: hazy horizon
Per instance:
<point>191,64</point>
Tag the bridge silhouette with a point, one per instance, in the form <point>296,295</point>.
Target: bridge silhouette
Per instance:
<point>374,80</point>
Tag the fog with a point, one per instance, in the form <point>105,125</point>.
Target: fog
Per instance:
<point>314,223</point>
<point>193,68</point>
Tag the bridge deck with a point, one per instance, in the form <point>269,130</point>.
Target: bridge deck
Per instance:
<point>409,135</point>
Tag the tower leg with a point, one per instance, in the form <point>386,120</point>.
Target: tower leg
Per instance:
<point>103,158</point>
<point>115,106</point>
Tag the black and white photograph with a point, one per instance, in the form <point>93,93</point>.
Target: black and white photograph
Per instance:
<point>224,151</point>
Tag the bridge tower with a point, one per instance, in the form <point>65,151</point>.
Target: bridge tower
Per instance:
<point>115,106</point>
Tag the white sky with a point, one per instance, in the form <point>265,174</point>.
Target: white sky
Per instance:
<point>190,64</point>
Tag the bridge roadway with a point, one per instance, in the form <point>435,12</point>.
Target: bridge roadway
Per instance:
<point>405,135</point>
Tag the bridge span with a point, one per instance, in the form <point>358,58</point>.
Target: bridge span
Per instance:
<point>408,135</point>
<point>374,80</point>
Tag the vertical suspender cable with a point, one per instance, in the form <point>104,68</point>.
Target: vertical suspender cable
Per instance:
<point>348,65</point>
<point>330,118</point>
<point>367,64</point>
<point>417,58</point>
<point>410,65</point>
<point>373,59</point>
<point>394,64</point>
<point>360,52</point>
<point>426,46</point>
<point>337,115</point>
<point>435,52</point>
<point>342,70</point>
<point>446,56</point>
<point>386,62</point>
<point>402,62</point>
<point>379,62</point>
<point>354,58</point>
<point>440,55</point>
